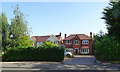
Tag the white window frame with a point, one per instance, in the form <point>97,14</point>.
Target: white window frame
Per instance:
<point>76,41</point>
<point>68,42</point>
<point>84,50</point>
<point>85,41</point>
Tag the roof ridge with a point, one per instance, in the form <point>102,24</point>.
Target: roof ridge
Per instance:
<point>40,36</point>
<point>45,35</point>
<point>77,34</point>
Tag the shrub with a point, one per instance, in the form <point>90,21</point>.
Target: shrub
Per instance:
<point>46,52</point>
<point>107,49</point>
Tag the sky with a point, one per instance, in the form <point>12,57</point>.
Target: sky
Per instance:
<point>46,18</point>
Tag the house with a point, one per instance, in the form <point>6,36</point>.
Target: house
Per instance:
<point>38,40</point>
<point>78,43</point>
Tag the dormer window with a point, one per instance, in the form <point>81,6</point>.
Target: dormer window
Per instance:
<point>85,42</point>
<point>68,42</point>
<point>76,42</point>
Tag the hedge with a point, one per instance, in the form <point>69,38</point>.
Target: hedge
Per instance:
<point>108,49</point>
<point>34,54</point>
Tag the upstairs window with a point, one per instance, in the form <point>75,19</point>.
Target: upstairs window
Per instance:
<point>67,41</point>
<point>85,42</point>
<point>76,42</point>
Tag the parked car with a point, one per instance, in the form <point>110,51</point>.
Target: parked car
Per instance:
<point>68,54</point>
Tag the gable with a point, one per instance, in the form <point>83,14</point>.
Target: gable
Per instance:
<point>52,38</point>
<point>76,37</point>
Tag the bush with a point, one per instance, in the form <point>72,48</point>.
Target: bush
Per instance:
<point>107,49</point>
<point>47,52</point>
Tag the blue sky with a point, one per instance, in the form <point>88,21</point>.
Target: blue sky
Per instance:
<point>46,18</point>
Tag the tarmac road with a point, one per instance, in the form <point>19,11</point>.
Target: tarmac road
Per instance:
<point>77,64</point>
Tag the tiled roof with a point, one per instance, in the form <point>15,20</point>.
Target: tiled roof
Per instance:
<point>81,36</point>
<point>84,47</point>
<point>43,38</point>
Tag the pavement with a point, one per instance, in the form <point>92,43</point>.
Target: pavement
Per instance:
<point>78,63</point>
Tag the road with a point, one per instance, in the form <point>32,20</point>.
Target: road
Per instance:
<point>78,63</point>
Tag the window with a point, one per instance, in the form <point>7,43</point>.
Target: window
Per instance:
<point>76,42</point>
<point>55,42</point>
<point>67,41</point>
<point>39,43</point>
<point>85,50</point>
<point>85,42</point>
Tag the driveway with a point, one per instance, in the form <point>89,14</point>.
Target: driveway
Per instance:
<point>81,60</point>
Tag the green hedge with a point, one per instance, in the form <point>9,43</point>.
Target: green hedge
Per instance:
<point>42,53</point>
<point>108,49</point>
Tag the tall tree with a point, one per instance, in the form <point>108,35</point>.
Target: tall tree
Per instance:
<point>112,18</point>
<point>5,31</point>
<point>18,26</point>
<point>0,31</point>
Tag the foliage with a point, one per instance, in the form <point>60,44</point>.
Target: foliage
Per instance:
<point>5,31</point>
<point>16,33</point>
<point>18,27</point>
<point>107,49</point>
<point>48,44</point>
<point>25,41</point>
<point>112,18</point>
<point>43,53</point>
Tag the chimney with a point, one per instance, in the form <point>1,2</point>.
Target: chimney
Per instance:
<point>60,33</point>
<point>65,35</point>
<point>90,34</point>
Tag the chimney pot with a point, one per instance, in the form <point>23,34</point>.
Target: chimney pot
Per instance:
<point>90,34</point>
<point>60,33</point>
<point>65,35</point>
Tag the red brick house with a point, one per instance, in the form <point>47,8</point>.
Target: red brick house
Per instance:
<point>78,43</point>
<point>38,40</point>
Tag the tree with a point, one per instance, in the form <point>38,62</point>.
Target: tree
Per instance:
<point>5,31</point>
<point>0,32</point>
<point>18,26</point>
<point>48,44</point>
<point>25,41</point>
<point>107,49</point>
<point>112,18</point>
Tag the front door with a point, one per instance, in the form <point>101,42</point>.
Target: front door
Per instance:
<point>76,51</point>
